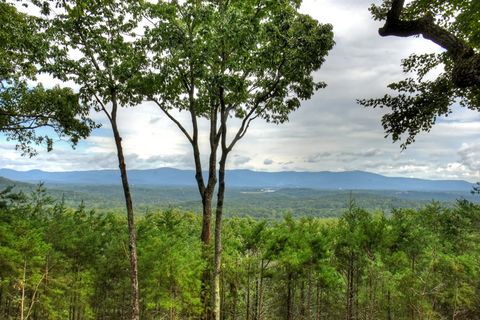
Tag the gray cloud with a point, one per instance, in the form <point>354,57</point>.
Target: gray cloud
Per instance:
<point>267,162</point>
<point>318,157</point>
<point>155,120</point>
<point>239,160</point>
<point>343,156</point>
<point>470,157</point>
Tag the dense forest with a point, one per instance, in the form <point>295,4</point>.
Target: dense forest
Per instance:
<point>272,204</point>
<point>63,263</point>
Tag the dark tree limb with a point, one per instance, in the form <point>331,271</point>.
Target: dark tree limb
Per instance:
<point>466,70</point>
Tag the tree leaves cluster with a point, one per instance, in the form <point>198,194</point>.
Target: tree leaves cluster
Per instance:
<point>440,81</point>
<point>24,106</point>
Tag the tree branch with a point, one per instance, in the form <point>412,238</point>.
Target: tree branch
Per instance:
<point>466,71</point>
<point>179,125</point>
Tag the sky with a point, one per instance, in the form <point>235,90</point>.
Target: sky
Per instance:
<point>330,132</point>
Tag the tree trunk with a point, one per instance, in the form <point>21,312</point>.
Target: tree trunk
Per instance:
<point>206,191</point>
<point>303,311</point>
<point>234,294</point>
<point>389,306</point>
<point>218,236</point>
<point>260,293</point>
<point>132,236</point>
<point>247,317</point>
<point>290,294</point>
<point>319,301</point>
<point>22,300</point>
<point>309,295</point>
<point>350,289</point>
<point>206,217</point>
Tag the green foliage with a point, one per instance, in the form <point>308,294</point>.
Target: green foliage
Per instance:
<point>436,88</point>
<point>95,45</point>
<point>255,57</point>
<point>24,108</point>
<point>171,283</point>
<point>74,264</point>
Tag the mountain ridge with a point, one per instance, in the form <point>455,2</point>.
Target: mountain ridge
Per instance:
<point>329,180</point>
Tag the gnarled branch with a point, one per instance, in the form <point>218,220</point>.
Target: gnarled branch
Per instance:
<point>466,70</point>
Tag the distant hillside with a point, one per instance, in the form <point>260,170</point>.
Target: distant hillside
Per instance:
<point>347,180</point>
<point>4,182</point>
<point>264,202</point>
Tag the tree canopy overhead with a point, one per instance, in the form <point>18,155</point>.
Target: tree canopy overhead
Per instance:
<point>455,27</point>
<point>24,107</point>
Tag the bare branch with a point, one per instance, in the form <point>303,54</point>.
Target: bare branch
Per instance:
<point>169,115</point>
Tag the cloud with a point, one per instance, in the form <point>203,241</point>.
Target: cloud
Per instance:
<point>239,160</point>
<point>154,120</point>
<point>314,158</point>
<point>343,156</point>
<point>470,157</point>
<point>267,162</point>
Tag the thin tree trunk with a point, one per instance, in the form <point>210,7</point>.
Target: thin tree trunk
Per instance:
<point>289,313</point>
<point>260,293</point>
<point>309,296</point>
<point>248,293</point>
<point>350,285</point>
<point>389,306</point>
<point>234,293</point>
<point>132,235</point>
<point>218,236</point>
<point>223,301</point>
<point>302,300</point>
<point>22,300</point>
<point>255,306</point>
<point>319,301</point>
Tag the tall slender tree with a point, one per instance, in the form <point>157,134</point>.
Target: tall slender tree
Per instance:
<point>220,60</point>
<point>94,44</point>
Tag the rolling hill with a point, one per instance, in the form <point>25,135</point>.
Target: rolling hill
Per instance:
<point>326,180</point>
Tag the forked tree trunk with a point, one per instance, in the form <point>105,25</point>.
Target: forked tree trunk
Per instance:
<point>206,192</point>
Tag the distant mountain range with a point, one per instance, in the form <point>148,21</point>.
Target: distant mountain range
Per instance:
<point>347,180</point>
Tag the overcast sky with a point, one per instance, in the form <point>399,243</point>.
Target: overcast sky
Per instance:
<point>330,132</point>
